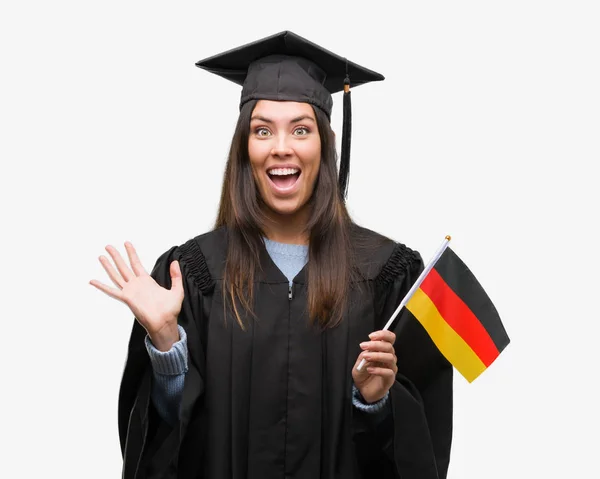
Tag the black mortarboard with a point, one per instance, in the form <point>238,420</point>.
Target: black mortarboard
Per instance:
<point>287,67</point>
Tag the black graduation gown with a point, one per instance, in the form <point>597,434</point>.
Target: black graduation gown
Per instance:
<point>274,401</point>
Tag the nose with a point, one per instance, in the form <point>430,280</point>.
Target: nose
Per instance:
<point>281,149</point>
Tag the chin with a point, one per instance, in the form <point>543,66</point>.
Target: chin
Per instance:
<point>285,208</point>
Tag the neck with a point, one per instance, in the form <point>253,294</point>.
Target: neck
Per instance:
<point>290,229</point>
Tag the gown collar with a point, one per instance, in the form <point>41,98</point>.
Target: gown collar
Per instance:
<point>270,272</point>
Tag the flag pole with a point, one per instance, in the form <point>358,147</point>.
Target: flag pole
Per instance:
<point>415,286</point>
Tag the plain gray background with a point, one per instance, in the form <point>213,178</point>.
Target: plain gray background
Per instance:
<point>486,128</point>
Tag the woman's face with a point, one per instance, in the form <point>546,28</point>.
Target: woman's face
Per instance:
<point>285,153</point>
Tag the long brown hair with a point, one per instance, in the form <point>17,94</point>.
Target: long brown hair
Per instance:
<point>331,265</point>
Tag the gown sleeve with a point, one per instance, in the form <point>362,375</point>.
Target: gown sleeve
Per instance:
<point>416,437</point>
<point>149,444</point>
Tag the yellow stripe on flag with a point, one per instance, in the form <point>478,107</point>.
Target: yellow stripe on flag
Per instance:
<point>452,346</point>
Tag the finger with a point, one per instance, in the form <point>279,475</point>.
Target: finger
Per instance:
<point>383,372</point>
<point>112,273</point>
<point>383,335</point>
<point>363,373</point>
<point>134,259</point>
<point>378,346</point>
<point>358,361</point>
<point>126,273</point>
<point>386,359</point>
<point>176,279</point>
<point>382,360</point>
<point>112,292</point>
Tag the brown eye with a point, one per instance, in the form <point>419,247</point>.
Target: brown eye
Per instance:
<point>262,132</point>
<point>301,131</point>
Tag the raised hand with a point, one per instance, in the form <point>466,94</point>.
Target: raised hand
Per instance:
<point>154,307</point>
<point>378,374</point>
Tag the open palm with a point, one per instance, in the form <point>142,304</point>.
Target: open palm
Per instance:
<point>156,308</point>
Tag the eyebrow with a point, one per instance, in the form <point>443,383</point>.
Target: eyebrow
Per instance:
<point>293,120</point>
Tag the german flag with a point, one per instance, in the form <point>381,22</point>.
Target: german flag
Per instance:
<point>459,316</point>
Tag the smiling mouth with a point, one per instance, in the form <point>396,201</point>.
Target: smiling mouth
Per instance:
<point>284,178</point>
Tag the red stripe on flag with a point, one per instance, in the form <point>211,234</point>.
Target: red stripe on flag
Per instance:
<point>460,318</point>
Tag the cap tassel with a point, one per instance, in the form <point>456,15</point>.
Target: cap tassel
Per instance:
<point>346,136</point>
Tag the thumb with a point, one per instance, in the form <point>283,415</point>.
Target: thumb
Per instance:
<point>176,278</point>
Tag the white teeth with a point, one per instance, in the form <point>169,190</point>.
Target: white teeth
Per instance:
<point>283,171</point>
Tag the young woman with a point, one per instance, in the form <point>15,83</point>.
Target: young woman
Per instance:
<point>243,361</point>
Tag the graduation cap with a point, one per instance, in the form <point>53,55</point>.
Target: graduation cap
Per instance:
<point>287,67</point>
